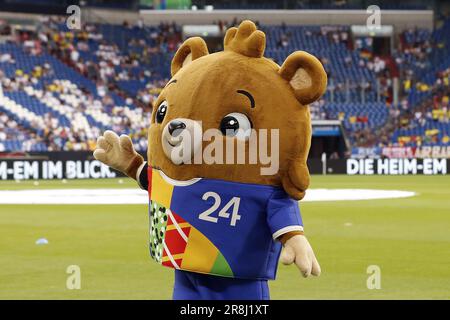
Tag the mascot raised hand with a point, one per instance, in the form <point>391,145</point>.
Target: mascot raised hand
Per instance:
<point>227,148</point>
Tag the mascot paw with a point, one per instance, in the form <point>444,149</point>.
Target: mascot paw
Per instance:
<point>118,153</point>
<point>298,250</point>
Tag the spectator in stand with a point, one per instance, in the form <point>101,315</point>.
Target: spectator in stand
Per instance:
<point>7,58</point>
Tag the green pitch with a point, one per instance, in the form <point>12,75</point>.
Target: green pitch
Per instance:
<point>409,239</point>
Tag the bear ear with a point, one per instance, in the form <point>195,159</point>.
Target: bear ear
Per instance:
<point>306,76</point>
<point>193,48</point>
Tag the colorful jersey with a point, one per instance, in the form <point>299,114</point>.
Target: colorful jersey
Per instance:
<point>218,227</point>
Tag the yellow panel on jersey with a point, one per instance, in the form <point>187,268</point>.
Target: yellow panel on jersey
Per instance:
<point>163,196</point>
<point>200,253</point>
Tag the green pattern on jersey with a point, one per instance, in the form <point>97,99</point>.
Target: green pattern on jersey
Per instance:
<point>221,266</point>
<point>158,224</point>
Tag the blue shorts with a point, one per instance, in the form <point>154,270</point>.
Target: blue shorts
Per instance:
<point>196,286</point>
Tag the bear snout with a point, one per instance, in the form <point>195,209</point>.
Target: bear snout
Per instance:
<point>175,127</point>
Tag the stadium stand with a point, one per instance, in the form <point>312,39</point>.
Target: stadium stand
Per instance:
<point>65,87</point>
<point>310,4</point>
<point>424,61</point>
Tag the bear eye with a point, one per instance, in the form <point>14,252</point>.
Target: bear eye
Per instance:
<point>161,112</point>
<point>236,125</point>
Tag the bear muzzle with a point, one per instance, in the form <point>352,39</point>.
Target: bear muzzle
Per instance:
<point>181,139</point>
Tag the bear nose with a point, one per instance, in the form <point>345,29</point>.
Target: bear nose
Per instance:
<point>175,127</point>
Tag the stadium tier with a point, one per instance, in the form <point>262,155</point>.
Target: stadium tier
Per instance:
<point>309,4</point>
<point>63,88</point>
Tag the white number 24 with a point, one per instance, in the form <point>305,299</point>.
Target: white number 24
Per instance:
<point>234,202</point>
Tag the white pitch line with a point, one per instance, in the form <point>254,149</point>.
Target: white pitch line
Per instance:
<point>137,196</point>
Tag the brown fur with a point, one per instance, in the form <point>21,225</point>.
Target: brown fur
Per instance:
<point>206,90</point>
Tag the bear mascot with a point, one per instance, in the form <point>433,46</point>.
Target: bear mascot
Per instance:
<point>223,223</point>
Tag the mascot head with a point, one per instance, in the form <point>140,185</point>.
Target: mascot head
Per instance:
<point>235,115</point>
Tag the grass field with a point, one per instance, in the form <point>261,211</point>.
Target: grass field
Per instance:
<point>409,239</point>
